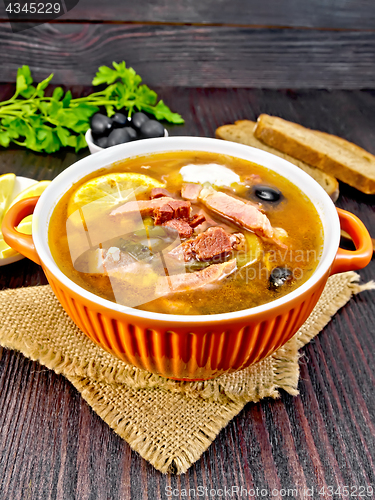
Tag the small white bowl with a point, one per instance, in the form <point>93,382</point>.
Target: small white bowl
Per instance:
<point>95,149</point>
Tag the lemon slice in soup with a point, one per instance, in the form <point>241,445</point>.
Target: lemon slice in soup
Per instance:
<point>111,189</point>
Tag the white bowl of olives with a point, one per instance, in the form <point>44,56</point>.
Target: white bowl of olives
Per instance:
<point>119,129</point>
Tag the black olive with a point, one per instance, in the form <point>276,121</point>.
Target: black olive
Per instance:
<point>279,276</point>
<point>102,142</point>
<point>118,136</point>
<point>138,119</point>
<point>119,120</point>
<point>132,133</point>
<point>100,125</point>
<point>267,193</point>
<point>152,128</point>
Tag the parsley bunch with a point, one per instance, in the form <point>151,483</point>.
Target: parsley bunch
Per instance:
<point>46,124</point>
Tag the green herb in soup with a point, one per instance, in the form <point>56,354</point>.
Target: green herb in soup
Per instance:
<point>186,233</point>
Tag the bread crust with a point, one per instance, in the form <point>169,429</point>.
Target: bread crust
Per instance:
<point>336,156</point>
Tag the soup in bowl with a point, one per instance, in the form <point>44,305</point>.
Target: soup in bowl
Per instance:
<point>187,257</point>
<point>190,233</point>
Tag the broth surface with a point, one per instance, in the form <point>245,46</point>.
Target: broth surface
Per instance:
<point>247,286</point>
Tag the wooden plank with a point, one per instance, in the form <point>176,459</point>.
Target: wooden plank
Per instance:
<point>194,56</point>
<point>351,14</point>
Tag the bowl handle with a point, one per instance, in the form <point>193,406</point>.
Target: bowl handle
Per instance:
<point>23,243</point>
<point>347,260</point>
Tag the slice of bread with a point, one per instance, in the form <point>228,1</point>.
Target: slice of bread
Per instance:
<point>335,156</point>
<point>243,132</point>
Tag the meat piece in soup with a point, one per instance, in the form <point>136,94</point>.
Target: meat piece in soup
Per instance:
<point>190,192</point>
<point>212,243</point>
<point>241,213</point>
<point>188,237</point>
<point>184,229</point>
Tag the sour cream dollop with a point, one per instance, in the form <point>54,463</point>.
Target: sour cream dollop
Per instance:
<point>215,174</point>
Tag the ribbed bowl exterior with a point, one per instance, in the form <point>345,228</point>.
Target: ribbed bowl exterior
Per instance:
<point>179,351</point>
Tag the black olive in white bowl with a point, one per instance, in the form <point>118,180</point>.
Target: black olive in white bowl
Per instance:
<point>101,125</point>
<point>119,129</point>
<point>119,120</point>
<point>151,128</point>
<point>118,136</point>
<point>138,119</point>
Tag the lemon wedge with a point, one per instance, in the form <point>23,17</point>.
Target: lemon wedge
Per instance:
<point>33,190</point>
<point>5,250</point>
<point>110,190</point>
<point>6,189</point>
<point>25,225</point>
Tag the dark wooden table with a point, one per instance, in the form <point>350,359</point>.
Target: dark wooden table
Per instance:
<point>53,446</point>
<point>213,62</point>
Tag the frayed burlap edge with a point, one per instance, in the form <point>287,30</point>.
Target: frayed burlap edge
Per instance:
<point>211,418</point>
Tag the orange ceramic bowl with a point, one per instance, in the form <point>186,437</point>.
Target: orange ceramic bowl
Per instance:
<point>177,346</point>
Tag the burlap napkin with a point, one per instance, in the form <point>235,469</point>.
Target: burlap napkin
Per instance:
<point>168,423</point>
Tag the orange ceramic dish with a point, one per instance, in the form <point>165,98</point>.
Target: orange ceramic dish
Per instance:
<point>188,347</point>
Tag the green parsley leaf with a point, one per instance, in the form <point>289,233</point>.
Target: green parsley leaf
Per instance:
<point>63,134</point>
<point>147,95</point>
<point>25,71</point>
<point>81,142</point>
<point>21,84</point>
<point>39,91</point>
<point>27,93</point>
<point>13,132</point>
<point>67,99</point>
<point>4,139</point>
<point>57,93</point>
<point>105,75</point>
<point>162,112</point>
<point>30,139</point>
<point>109,110</point>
